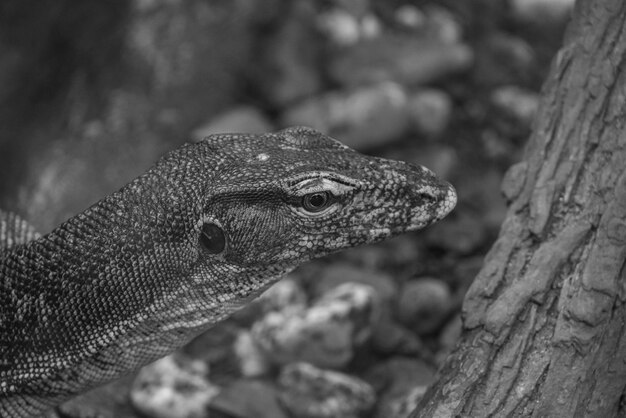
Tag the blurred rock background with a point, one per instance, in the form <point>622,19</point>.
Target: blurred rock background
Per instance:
<point>92,93</point>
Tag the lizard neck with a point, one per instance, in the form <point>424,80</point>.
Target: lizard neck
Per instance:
<point>85,304</point>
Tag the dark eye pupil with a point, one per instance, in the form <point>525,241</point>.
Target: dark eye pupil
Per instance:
<point>212,238</point>
<point>315,202</point>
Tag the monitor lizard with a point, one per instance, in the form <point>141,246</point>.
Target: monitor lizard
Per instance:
<point>208,228</point>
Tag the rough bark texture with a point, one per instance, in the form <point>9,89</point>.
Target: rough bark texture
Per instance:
<point>544,321</point>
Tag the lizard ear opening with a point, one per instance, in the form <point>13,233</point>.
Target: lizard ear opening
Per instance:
<point>212,238</point>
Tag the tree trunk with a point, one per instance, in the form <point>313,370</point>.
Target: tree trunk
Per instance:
<point>544,321</point>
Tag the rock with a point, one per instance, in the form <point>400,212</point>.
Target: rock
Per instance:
<point>284,294</point>
<point>466,270</point>
<point>410,17</point>
<point>214,345</point>
<point>288,69</point>
<point>389,337</point>
<point>430,111</point>
<point>345,28</point>
<point>503,59</point>
<point>363,118</point>
<point>424,303</point>
<point>399,58</point>
<point>309,392</point>
<point>443,25</point>
<point>173,387</point>
<point>395,254</point>
<point>395,379</point>
<point>337,274</point>
<point>248,399</point>
<point>463,233</point>
<point>326,334</point>
<point>403,407</point>
<point>433,23</point>
<point>439,158</point>
<point>244,119</point>
<point>541,10</point>
<point>253,361</point>
<point>108,401</point>
<point>518,103</point>
<point>450,334</point>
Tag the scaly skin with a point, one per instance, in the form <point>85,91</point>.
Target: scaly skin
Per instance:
<point>135,276</point>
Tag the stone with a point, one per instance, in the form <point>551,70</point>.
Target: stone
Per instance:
<point>516,102</point>
<point>443,25</point>
<point>243,119</point>
<point>439,158</point>
<point>403,59</point>
<point>410,16</point>
<point>424,304</point>
<point>253,361</point>
<point>502,59</point>
<point>337,274</point>
<point>363,118</point>
<point>173,387</point>
<point>389,337</point>
<point>326,334</point>
<point>542,10</point>
<point>450,334</point>
<point>285,293</point>
<point>403,407</point>
<point>288,70</point>
<point>247,398</point>
<point>345,28</point>
<point>395,379</point>
<point>309,392</point>
<point>108,401</point>
<point>430,111</point>
<point>463,233</point>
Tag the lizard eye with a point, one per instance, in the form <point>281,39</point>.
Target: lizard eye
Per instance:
<point>212,238</point>
<point>316,202</point>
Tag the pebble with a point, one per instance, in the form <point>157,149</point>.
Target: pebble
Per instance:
<point>173,387</point>
<point>389,337</point>
<point>541,10</point>
<point>362,118</point>
<point>337,274</point>
<point>462,234</point>
<point>424,304</point>
<point>246,398</point>
<point>253,361</point>
<point>285,293</point>
<point>309,392</point>
<point>326,334</point>
<point>443,25</point>
<point>430,111</point>
<point>289,70</point>
<point>503,59</point>
<point>404,59</point>
<point>243,119</point>
<point>516,102</point>
<point>439,158</point>
<point>410,16</point>
<point>450,334</point>
<point>395,379</point>
<point>403,407</point>
<point>344,28</point>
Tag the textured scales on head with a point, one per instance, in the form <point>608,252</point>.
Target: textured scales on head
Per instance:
<point>210,226</point>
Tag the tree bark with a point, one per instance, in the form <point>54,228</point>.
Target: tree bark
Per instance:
<point>544,321</point>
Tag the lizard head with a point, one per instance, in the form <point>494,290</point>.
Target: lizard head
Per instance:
<point>279,199</point>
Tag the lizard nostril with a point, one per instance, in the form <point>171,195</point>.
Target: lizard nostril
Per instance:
<point>427,198</point>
